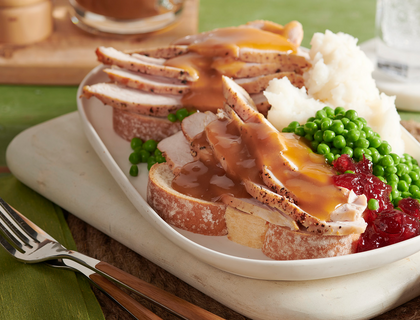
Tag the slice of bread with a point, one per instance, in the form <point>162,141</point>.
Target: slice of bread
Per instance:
<point>129,125</point>
<point>179,210</point>
<point>283,244</point>
<point>244,228</point>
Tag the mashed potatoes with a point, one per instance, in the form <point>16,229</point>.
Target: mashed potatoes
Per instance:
<point>341,75</point>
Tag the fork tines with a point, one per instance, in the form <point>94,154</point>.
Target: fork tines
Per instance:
<point>13,229</point>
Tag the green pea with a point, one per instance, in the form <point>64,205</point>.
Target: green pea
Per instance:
<point>362,143</point>
<point>337,126</point>
<point>144,155</point>
<point>328,135</point>
<point>318,123</point>
<point>150,162</point>
<point>329,111</point>
<point>309,137</point>
<point>395,157</point>
<point>373,204</point>
<point>329,157</point>
<point>368,157</point>
<point>150,145</point>
<point>134,158</point>
<point>390,169</point>
<point>323,148</point>
<point>358,153</point>
<point>318,136</point>
<point>406,177</point>
<point>352,126</point>
<point>416,168</point>
<point>360,124</point>
<point>368,131</point>
<point>413,188</point>
<point>362,134</point>
<point>392,177</point>
<point>134,171</point>
<point>135,143</point>
<point>374,142</point>
<point>416,194</point>
<point>335,151</point>
<point>414,175</point>
<point>393,184</point>
<point>349,144</point>
<point>410,165</point>
<point>387,161</point>
<point>160,159</point>
<point>396,201</point>
<point>395,194</point>
<point>181,114</point>
<point>402,169</point>
<point>402,186</point>
<point>345,121</point>
<point>293,125</point>
<point>406,194</point>
<point>337,156</point>
<point>339,142</point>
<point>157,153</point>
<point>407,157</point>
<point>382,179</point>
<point>326,123</point>
<point>378,170</point>
<point>363,120</point>
<point>351,114</point>
<point>320,114</point>
<point>384,148</point>
<point>339,116</point>
<point>287,130</point>
<point>310,127</point>
<point>375,155</point>
<point>314,145</point>
<point>353,135</point>
<point>339,110</point>
<point>172,117</point>
<point>417,183</point>
<point>347,150</point>
<point>300,131</point>
<point>349,171</point>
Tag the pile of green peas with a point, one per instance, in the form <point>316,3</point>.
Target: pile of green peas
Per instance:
<point>333,132</point>
<point>146,152</point>
<point>180,114</point>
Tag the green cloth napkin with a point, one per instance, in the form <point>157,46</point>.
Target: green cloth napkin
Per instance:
<point>37,291</point>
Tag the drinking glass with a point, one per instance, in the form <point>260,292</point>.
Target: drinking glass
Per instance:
<point>398,38</point>
<point>124,17</point>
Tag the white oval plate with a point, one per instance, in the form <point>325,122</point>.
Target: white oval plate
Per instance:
<point>219,251</point>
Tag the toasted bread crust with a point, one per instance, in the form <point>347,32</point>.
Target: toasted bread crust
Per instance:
<point>179,210</point>
<point>129,125</point>
<point>283,244</point>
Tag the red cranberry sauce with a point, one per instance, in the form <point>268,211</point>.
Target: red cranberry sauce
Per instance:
<point>386,225</point>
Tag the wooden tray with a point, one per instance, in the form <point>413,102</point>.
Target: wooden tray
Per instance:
<point>69,53</point>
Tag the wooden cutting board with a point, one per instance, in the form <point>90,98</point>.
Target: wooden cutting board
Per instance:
<point>69,53</point>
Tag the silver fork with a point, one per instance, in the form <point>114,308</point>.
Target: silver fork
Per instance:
<point>30,244</point>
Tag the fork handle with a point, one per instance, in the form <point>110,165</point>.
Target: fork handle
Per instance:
<point>130,304</point>
<point>165,299</point>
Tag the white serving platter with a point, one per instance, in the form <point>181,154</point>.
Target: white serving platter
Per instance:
<point>219,251</point>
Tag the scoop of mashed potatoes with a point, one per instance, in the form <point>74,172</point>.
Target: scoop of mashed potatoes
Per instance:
<point>341,75</point>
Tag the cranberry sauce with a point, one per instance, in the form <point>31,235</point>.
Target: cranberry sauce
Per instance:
<point>386,225</point>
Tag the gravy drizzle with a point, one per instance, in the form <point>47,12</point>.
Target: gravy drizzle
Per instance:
<point>213,54</point>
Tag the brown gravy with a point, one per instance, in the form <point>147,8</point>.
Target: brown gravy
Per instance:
<point>244,148</point>
<point>206,58</point>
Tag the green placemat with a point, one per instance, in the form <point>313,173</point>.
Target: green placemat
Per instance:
<point>36,291</point>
